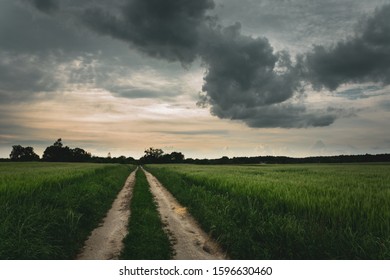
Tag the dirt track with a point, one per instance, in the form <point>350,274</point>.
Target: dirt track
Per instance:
<point>190,241</point>
<point>105,242</point>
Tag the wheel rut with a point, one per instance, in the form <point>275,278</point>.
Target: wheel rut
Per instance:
<point>190,242</point>
<point>106,241</point>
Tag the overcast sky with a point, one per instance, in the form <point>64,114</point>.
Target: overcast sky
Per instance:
<point>208,78</point>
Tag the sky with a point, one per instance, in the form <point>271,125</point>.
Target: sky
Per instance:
<point>208,78</point>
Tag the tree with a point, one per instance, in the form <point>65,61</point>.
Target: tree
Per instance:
<point>20,153</point>
<point>61,153</point>
<point>176,157</point>
<point>80,155</point>
<point>58,143</point>
<point>57,152</point>
<point>154,153</point>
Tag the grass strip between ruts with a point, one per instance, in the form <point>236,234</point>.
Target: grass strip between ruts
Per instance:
<point>146,239</point>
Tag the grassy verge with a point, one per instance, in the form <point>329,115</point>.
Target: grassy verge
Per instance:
<point>288,211</point>
<point>146,239</point>
<point>49,209</point>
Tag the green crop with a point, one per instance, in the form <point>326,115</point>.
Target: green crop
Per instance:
<point>288,211</point>
<point>49,209</point>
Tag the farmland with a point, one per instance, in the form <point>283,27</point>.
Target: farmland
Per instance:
<point>48,209</point>
<point>288,211</point>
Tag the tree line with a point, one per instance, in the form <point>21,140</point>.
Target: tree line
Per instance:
<point>363,158</point>
<point>60,153</point>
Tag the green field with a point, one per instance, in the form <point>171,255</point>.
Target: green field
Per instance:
<point>48,209</point>
<point>288,211</point>
<point>303,211</point>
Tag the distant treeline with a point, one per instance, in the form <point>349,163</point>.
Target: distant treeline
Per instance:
<point>60,153</point>
<point>290,160</point>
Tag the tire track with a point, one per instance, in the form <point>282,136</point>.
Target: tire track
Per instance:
<point>190,241</point>
<point>105,241</point>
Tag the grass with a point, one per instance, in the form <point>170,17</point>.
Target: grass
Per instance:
<point>288,211</point>
<point>146,239</point>
<point>49,209</point>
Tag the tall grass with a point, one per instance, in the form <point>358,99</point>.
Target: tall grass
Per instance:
<point>288,211</point>
<point>49,209</point>
<point>146,239</point>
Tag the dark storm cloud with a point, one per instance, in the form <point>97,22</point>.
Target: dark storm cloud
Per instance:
<point>164,29</point>
<point>46,6</point>
<point>278,115</point>
<point>33,49</point>
<point>26,30</point>
<point>245,78</point>
<point>42,53</point>
<point>241,70</point>
<point>363,58</point>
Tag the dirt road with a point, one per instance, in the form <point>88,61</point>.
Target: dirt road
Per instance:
<point>191,242</point>
<point>105,242</point>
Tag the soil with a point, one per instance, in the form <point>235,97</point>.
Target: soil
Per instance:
<point>105,241</point>
<point>190,241</point>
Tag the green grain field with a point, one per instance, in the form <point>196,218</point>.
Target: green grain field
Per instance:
<point>288,211</point>
<point>48,209</point>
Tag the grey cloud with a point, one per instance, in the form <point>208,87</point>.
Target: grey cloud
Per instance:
<point>25,30</point>
<point>129,92</point>
<point>363,58</point>
<point>360,92</point>
<point>46,6</point>
<point>278,115</point>
<point>353,93</point>
<point>298,23</point>
<point>38,52</point>
<point>246,80</point>
<point>242,71</point>
<point>23,76</point>
<point>163,29</point>
<point>197,132</point>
